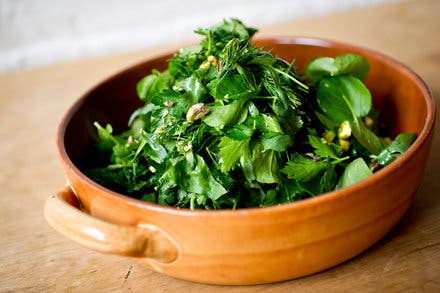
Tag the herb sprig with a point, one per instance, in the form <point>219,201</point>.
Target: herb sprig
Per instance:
<point>229,125</point>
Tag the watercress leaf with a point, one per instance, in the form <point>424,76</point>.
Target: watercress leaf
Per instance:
<point>332,100</point>
<point>343,98</point>
<point>276,141</point>
<point>221,116</point>
<point>303,169</point>
<point>230,150</point>
<point>353,64</point>
<point>357,93</point>
<point>147,108</point>
<point>356,171</point>
<point>319,68</point>
<point>152,84</point>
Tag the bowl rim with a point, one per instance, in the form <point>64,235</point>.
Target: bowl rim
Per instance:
<point>323,198</point>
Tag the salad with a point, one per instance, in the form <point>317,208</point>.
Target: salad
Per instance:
<point>230,125</point>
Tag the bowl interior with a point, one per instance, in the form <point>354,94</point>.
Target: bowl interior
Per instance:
<point>397,93</point>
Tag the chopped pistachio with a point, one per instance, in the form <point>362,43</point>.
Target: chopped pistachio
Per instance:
<point>159,130</point>
<point>345,144</point>
<point>213,60</point>
<point>344,130</point>
<point>369,122</point>
<point>196,112</point>
<point>168,103</point>
<point>205,65</point>
<point>329,136</point>
<point>188,147</point>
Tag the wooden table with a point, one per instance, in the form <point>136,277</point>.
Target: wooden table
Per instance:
<point>35,258</point>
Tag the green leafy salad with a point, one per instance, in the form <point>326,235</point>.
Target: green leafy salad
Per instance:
<point>230,125</point>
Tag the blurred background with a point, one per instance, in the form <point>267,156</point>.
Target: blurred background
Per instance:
<point>40,32</point>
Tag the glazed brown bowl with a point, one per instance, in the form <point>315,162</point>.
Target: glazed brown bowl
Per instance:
<point>244,246</point>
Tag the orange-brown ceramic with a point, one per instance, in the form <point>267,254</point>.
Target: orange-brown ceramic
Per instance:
<point>245,246</point>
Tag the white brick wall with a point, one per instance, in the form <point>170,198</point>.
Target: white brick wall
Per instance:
<point>38,32</point>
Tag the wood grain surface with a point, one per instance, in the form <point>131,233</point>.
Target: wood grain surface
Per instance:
<point>35,258</point>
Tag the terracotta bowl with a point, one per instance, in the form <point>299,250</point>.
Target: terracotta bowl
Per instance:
<point>245,246</point>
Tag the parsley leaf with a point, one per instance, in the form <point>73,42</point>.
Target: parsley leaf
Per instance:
<point>303,169</point>
<point>231,150</point>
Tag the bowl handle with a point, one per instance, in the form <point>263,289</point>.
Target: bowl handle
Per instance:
<point>144,240</point>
